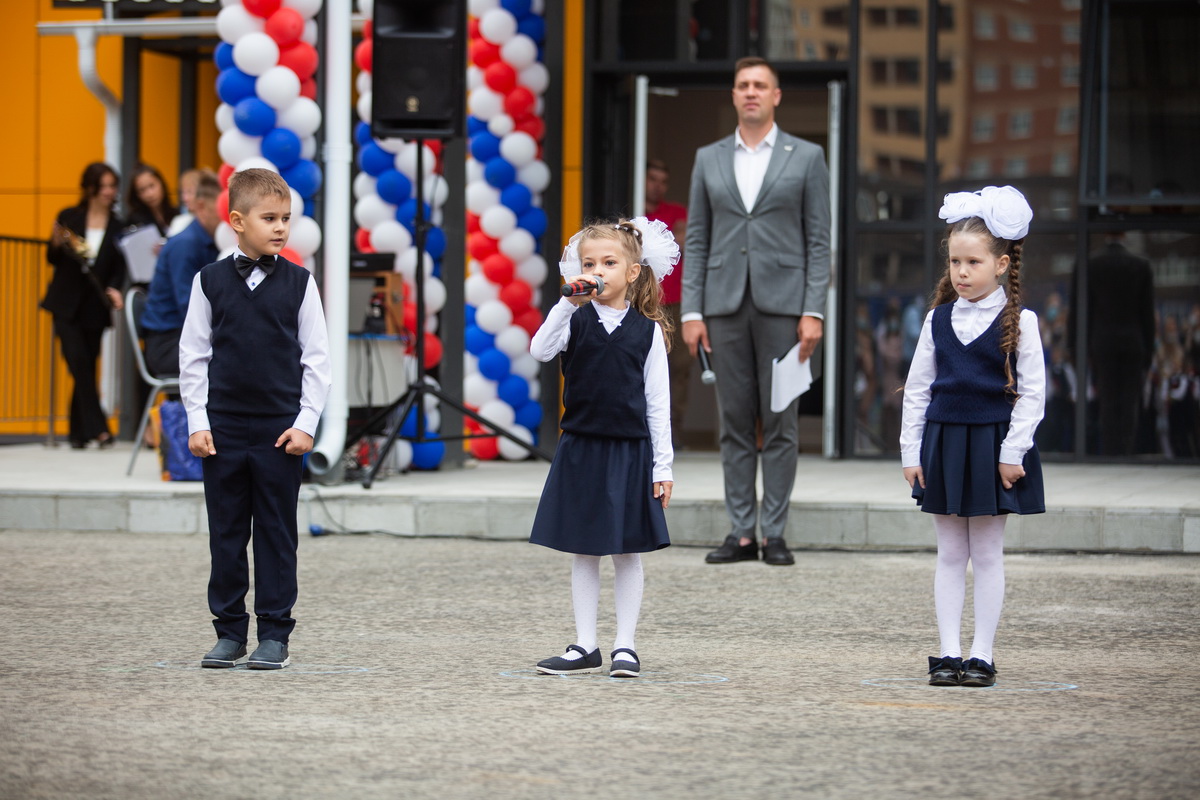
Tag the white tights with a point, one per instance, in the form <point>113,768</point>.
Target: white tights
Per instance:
<point>585,595</point>
<point>979,540</point>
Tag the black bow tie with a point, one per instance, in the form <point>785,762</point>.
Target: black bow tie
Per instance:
<point>245,265</point>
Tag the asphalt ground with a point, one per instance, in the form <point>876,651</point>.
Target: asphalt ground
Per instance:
<point>412,677</point>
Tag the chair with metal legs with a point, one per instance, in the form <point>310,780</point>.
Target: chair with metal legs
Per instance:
<point>135,299</point>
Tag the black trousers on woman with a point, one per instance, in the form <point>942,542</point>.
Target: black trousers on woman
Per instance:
<point>80,349</point>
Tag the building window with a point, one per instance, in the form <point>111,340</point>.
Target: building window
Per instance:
<point>907,17</point>
<point>1060,165</point>
<point>945,71</point>
<point>943,123</point>
<point>903,17</point>
<point>1072,5</point>
<point>985,25</point>
<point>908,121</point>
<point>945,17</point>
<point>1020,124</point>
<point>1020,30</point>
<point>834,17</point>
<point>804,17</point>
<point>877,17</point>
<point>1016,167</point>
<point>1070,33</point>
<point>1024,76</point>
<point>986,79</point>
<point>1067,121</point>
<point>1070,72</point>
<point>983,127</point>
<point>979,167</point>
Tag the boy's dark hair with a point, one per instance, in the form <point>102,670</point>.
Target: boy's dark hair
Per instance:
<point>754,61</point>
<point>248,187</point>
<point>659,164</point>
<point>208,186</point>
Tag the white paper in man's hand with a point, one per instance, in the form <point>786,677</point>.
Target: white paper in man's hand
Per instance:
<point>139,249</point>
<point>790,378</point>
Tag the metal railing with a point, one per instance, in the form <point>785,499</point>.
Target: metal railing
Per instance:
<point>30,369</point>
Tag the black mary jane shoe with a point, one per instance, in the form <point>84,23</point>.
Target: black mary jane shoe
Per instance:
<point>946,671</point>
<point>978,672</point>
<point>625,664</point>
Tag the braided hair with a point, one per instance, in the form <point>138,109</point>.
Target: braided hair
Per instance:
<point>645,293</point>
<point>1010,316</point>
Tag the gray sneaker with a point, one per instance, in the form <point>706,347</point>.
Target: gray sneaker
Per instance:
<point>270,654</point>
<point>226,654</point>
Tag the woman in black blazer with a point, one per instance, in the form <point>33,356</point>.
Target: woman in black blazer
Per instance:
<point>84,291</point>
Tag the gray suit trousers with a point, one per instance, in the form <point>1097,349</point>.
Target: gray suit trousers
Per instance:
<point>743,345</point>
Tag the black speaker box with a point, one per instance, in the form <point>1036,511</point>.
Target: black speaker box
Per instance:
<point>418,87</point>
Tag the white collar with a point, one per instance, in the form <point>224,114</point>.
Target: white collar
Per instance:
<point>996,298</point>
<point>768,140</point>
<point>610,312</point>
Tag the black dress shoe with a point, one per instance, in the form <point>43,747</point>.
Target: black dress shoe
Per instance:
<point>557,665</point>
<point>945,671</point>
<point>730,551</point>
<point>776,553</point>
<point>105,441</point>
<point>226,654</point>
<point>78,444</point>
<point>978,672</point>
<point>269,654</point>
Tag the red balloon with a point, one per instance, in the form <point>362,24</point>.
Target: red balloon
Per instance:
<point>519,102</point>
<point>480,246</point>
<point>500,77</point>
<point>433,350</point>
<point>472,223</point>
<point>484,53</point>
<point>300,58</point>
<point>517,296</point>
<point>472,29</point>
<point>363,55</point>
<point>435,146</point>
<point>362,241</point>
<point>469,423</point>
<point>223,175</point>
<point>368,28</point>
<point>530,320</point>
<point>498,268</point>
<point>308,89</point>
<point>485,449</point>
<point>285,26</point>
<point>223,199</point>
<point>533,125</point>
<point>410,318</point>
<point>262,8</point>
<point>292,256</point>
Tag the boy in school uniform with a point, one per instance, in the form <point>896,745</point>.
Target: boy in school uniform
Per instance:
<point>254,376</point>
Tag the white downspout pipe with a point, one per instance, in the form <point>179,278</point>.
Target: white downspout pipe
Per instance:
<point>86,40</point>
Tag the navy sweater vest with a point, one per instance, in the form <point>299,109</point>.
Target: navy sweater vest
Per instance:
<point>969,388</point>
<point>255,368</point>
<point>604,387</point>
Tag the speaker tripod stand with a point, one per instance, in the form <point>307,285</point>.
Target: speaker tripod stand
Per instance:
<point>414,395</point>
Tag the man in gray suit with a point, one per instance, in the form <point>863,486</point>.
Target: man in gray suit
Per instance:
<point>757,251</point>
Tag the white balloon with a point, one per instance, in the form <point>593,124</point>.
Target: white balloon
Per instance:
<point>406,263</point>
<point>501,125</point>
<point>364,184</point>
<point>478,390</point>
<point>235,146</point>
<point>518,245</point>
<point>297,200</point>
<point>224,117</point>
<point>234,22</point>
<point>400,457</point>
<point>307,8</point>
<point>310,33</point>
<point>539,107</point>
<point>478,8</point>
<point>498,221</point>
<point>471,365</point>
<point>474,77</point>
<point>308,147</point>
<point>535,176</point>
<point>278,87</point>
<point>225,237</point>
<point>493,316</point>
<point>363,107</point>
<point>435,295</point>
<point>305,236</point>
<point>437,191</point>
<point>392,144</point>
<point>406,160</point>
<point>256,162</point>
<point>362,83</point>
<point>437,218</point>
<point>481,196</point>
<point>510,450</point>
<point>371,210</point>
<point>526,366</point>
<point>535,389</point>
<point>478,290</point>
<point>474,171</point>
<point>302,117</point>
<point>431,320</point>
<point>389,236</point>
<point>533,270</point>
<point>535,78</point>
<point>519,52</point>
<point>484,103</point>
<point>513,341</point>
<point>367,7</point>
<point>433,420</point>
<point>310,264</point>
<point>538,7</point>
<point>499,413</point>
<point>255,53</point>
<point>519,149</point>
<point>473,267</point>
<point>497,26</point>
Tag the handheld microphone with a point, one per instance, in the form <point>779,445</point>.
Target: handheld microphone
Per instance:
<point>582,287</point>
<point>707,376</point>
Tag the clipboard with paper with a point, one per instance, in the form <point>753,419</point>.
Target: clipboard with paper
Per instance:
<point>790,378</point>
<point>140,248</point>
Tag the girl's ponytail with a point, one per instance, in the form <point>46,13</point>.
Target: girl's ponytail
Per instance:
<point>1010,317</point>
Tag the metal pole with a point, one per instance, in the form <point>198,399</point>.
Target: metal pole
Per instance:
<point>641,89</point>
<point>830,417</point>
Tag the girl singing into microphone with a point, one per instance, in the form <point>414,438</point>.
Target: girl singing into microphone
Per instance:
<point>611,477</point>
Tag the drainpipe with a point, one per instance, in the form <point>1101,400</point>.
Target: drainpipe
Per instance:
<point>85,38</point>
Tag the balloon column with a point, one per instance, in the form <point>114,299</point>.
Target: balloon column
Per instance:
<point>505,221</point>
<point>268,115</point>
<point>385,209</point>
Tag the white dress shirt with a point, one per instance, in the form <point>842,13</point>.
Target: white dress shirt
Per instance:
<point>553,337</point>
<point>750,164</point>
<point>195,351</point>
<point>969,320</point>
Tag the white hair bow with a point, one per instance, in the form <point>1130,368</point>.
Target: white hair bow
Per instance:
<point>1003,209</point>
<point>660,251</point>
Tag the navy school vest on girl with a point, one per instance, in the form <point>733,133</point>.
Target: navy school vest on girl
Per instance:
<point>604,387</point>
<point>969,388</point>
<point>255,368</point>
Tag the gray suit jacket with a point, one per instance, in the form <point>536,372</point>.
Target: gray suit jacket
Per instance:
<point>783,244</point>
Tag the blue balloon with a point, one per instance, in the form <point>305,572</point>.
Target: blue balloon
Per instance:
<point>310,208</point>
<point>534,27</point>
<point>362,134</point>
<point>493,365</point>
<point>499,173</point>
<point>233,86</point>
<point>374,160</point>
<point>534,221</point>
<point>469,314</point>
<point>518,8</point>
<point>406,214</point>
<point>514,390</point>
<point>282,147</point>
<point>223,55</point>
<point>517,198</point>
<point>253,117</point>
<point>437,270</point>
<point>476,339</point>
<point>394,186</point>
<point>475,125</point>
<point>428,455</point>
<point>435,242</point>
<point>484,146</point>
<point>304,176</point>
<point>530,416</point>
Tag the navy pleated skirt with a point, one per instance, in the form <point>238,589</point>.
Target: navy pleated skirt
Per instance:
<point>962,478</point>
<point>599,499</point>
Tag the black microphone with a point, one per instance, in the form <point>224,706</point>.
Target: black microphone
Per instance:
<point>707,376</point>
<point>582,287</point>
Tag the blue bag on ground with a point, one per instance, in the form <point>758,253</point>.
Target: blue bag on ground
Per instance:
<point>178,462</point>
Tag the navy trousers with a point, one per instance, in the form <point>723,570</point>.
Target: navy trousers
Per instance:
<point>251,489</point>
